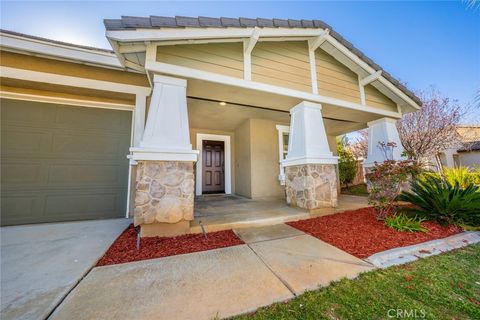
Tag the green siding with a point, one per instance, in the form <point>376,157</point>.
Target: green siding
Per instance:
<point>62,163</point>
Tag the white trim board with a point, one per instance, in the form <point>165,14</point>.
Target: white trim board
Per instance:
<point>228,161</point>
<point>65,101</point>
<point>36,76</point>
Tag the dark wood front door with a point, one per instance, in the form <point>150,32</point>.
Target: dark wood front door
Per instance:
<point>213,167</point>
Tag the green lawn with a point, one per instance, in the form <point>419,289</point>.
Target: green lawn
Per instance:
<point>444,287</point>
<point>358,190</point>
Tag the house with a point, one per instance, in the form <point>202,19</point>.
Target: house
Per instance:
<point>198,105</point>
<point>467,153</point>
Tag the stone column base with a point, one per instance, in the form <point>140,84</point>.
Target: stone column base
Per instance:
<point>164,195</point>
<point>311,186</point>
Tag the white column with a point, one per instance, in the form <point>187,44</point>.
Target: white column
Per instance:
<point>139,119</point>
<point>166,135</point>
<point>382,130</point>
<point>308,143</point>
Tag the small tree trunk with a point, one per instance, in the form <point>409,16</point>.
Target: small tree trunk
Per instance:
<point>439,165</point>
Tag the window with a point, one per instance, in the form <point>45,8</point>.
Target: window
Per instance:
<point>283,135</point>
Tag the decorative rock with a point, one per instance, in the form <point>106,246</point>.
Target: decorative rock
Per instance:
<point>141,198</point>
<point>311,186</point>
<point>156,189</point>
<point>164,192</point>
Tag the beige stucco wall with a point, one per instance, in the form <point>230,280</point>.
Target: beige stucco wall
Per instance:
<point>222,58</point>
<point>469,159</point>
<point>265,159</point>
<point>242,160</point>
<point>193,141</point>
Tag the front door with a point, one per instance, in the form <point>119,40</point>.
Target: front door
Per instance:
<point>213,167</point>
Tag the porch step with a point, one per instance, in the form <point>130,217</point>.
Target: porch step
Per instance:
<point>247,220</point>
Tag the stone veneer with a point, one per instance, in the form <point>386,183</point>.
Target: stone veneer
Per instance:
<point>164,192</point>
<point>311,186</point>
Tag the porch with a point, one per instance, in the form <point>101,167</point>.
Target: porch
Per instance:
<point>222,212</point>
<point>280,160</point>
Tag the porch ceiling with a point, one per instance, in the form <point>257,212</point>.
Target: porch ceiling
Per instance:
<point>212,115</point>
<point>245,103</point>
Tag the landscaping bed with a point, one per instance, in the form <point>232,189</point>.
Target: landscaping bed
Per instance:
<point>124,249</point>
<point>359,233</point>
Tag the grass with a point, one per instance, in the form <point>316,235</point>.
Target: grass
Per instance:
<point>358,190</point>
<point>446,286</point>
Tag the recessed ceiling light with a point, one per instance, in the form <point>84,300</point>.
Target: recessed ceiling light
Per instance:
<point>223,103</point>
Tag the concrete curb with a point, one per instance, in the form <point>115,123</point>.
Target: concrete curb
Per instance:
<point>407,254</point>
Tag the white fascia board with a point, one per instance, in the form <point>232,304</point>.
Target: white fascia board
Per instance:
<point>205,33</point>
<point>58,50</point>
<point>185,72</point>
<point>36,76</point>
<point>370,70</point>
<point>66,101</point>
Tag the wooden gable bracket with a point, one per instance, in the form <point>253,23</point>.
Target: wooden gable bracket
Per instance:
<point>316,42</point>
<point>248,45</point>
<point>366,81</point>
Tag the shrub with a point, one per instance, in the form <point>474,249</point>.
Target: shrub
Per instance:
<point>401,222</point>
<point>460,175</point>
<point>386,180</point>
<point>347,164</point>
<point>437,199</point>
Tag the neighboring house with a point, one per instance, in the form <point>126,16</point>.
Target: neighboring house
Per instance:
<point>199,105</point>
<point>467,154</point>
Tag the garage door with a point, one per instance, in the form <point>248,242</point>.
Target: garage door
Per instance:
<point>62,163</point>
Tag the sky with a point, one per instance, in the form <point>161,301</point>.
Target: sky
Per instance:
<point>421,43</point>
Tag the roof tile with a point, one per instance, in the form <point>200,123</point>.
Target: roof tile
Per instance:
<point>248,22</point>
<point>321,24</point>
<point>136,22</point>
<point>187,21</point>
<point>307,24</point>
<point>282,23</point>
<point>113,24</point>
<point>157,21</point>
<point>230,22</point>
<point>209,22</point>
<point>294,23</point>
<point>265,22</point>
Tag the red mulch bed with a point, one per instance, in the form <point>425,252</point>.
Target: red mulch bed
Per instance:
<point>359,233</point>
<point>124,249</point>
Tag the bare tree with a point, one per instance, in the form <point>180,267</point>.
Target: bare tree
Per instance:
<point>432,129</point>
<point>359,146</point>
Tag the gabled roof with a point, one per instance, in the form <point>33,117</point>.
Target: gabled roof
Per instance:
<point>159,22</point>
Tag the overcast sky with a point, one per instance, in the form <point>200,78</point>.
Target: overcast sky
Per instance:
<point>420,43</point>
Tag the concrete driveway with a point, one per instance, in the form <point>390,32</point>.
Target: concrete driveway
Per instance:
<point>276,263</point>
<point>41,263</point>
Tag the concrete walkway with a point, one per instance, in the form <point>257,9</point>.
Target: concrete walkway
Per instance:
<point>407,254</point>
<point>41,263</point>
<point>276,263</point>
